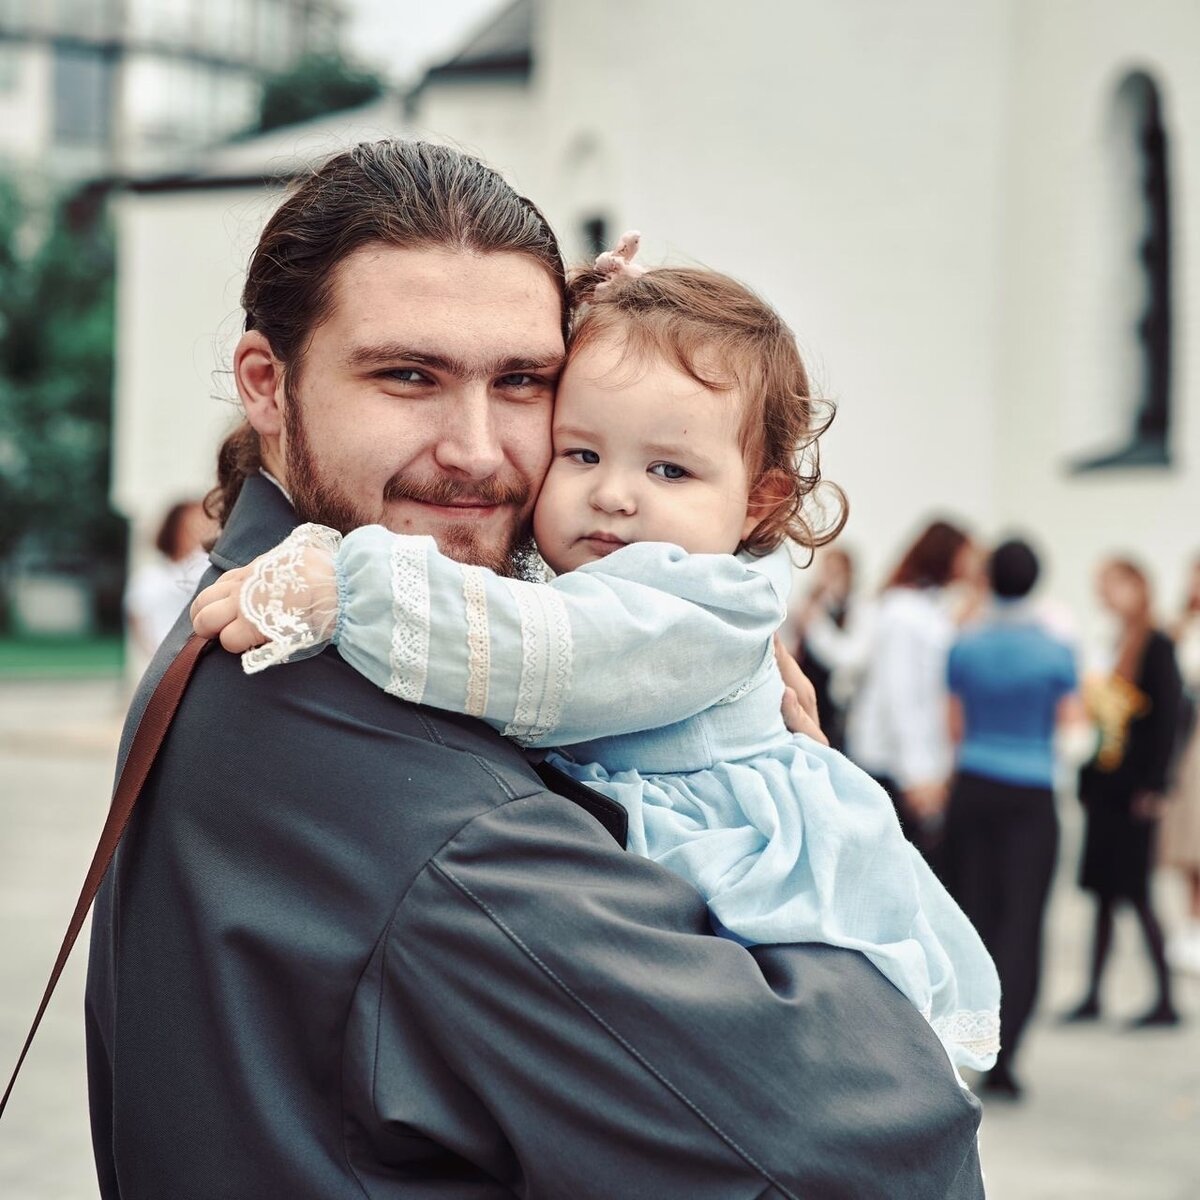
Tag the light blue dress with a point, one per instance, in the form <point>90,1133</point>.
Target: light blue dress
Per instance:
<point>651,672</point>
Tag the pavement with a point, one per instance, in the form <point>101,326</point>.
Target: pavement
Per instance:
<point>1108,1114</point>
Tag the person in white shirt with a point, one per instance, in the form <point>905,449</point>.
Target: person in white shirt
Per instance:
<point>158,591</point>
<point>897,728</point>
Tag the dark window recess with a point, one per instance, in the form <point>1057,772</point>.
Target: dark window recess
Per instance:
<point>595,235</point>
<point>1150,410</point>
<point>83,95</point>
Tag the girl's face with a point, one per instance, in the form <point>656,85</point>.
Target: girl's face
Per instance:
<point>642,453</point>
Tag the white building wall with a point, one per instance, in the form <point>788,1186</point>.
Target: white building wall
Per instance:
<point>25,117</point>
<point>181,261</point>
<point>1054,347</point>
<point>845,160</point>
<point>911,185</point>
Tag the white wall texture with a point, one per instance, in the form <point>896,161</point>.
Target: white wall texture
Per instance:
<point>914,186</point>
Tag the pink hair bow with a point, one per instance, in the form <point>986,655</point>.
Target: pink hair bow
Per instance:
<point>617,264</point>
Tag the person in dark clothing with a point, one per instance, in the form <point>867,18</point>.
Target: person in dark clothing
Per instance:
<point>1136,709</point>
<point>355,946</point>
<point>1011,683</point>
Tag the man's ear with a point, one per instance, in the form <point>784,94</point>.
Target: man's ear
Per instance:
<point>259,378</point>
<point>771,492</point>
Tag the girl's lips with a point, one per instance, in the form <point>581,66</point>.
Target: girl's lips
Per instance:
<point>603,543</point>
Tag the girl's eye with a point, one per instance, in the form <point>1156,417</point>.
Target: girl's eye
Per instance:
<point>585,457</point>
<point>667,470</point>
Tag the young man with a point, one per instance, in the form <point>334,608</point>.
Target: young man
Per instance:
<point>352,946</point>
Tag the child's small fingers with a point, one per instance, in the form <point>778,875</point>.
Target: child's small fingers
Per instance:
<point>210,595</point>
<point>798,719</point>
<point>215,615</point>
<point>239,636</point>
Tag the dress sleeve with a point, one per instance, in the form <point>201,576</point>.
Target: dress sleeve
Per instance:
<point>646,637</point>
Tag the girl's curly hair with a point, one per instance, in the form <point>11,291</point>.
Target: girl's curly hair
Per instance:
<point>727,339</point>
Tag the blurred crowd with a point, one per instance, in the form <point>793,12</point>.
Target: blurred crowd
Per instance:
<point>958,687</point>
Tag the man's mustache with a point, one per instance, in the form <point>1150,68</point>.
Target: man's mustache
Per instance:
<point>446,491</point>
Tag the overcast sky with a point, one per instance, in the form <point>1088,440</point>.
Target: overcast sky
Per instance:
<point>395,37</point>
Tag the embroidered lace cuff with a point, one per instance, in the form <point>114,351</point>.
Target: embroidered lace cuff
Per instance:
<point>294,597</point>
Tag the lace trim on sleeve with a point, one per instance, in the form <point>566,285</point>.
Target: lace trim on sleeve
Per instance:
<point>292,599</point>
<point>410,620</point>
<point>479,646</point>
<point>976,1031</point>
<point>547,656</point>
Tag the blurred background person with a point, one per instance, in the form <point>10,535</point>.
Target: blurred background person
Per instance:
<point>1012,683</point>
<point>896,727</point>
<point>1135,707</point>
<point>158,590</point>
<point>830,628</point>
<point>1180,835</point>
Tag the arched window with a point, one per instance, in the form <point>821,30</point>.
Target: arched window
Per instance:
<point>1138,310</point>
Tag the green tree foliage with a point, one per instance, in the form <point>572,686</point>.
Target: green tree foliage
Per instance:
<point>56,377</point>
<point>316,85</point>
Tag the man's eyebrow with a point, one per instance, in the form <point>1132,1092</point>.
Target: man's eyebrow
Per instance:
<point>391,353</point>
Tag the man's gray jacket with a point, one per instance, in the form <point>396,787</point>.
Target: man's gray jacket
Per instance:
<point>351,947</point>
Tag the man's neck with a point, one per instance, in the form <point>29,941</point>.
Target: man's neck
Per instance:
<point>267,475</point>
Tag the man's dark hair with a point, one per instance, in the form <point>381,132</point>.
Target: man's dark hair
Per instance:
<point>400,193</point>
<point>1013,569</point>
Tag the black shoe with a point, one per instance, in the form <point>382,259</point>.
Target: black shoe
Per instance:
<point>1001,1083</point>
<point>1088,1010</point>
<point>1161,1016</point>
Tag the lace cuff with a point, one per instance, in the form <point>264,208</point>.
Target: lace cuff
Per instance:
<point>293,597</point>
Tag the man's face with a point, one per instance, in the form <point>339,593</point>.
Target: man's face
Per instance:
<point>423,402</point>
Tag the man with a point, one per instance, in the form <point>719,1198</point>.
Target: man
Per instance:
<point>352,946</point>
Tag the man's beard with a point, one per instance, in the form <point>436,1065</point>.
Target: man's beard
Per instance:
<point>323,502</point>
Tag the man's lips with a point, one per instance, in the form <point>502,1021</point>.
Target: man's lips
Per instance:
<point>460,509</point>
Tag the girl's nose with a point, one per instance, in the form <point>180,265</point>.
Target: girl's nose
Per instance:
<point>611,495</point>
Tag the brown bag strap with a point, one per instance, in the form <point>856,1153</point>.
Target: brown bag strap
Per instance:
<point>152,728</point>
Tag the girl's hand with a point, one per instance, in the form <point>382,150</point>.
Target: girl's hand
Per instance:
<point>799,697</point>
<point>281,607</point>
<point>216,613</point>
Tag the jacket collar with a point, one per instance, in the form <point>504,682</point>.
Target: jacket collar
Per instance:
<point>261,519</point>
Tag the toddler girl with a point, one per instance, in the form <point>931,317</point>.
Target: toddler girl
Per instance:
<point>684,446</point>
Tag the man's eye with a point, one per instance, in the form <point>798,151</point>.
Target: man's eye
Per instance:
<point>406,375</point>
<point>586,457</point>
<point>666,470</point>
<point>521,382</point>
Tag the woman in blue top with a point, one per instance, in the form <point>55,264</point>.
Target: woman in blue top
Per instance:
<point>1011,683</point>
<point>678,476</point>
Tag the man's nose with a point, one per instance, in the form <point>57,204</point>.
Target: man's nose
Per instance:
<point>612,493</point>
<point>469,442</point>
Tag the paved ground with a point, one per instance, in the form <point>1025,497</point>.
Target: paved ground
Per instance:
<point>1110,1115</point>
